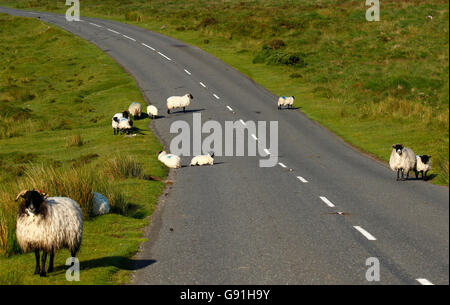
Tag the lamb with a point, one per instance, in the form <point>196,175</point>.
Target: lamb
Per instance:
<point>179,102</point>
<point>203,160</point>
<point>402,160</point>
<point>135,110</point>
<point>48,224</point>
<point>152,111</point>
<point>169,160</point>
<point>423,165</point>
<point>286,101</point>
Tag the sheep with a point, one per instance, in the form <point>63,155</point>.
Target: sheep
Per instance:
<point>203,160</point>
<point>125,125</point>
<point>286,101</point>
<point>152,111</point>
<point>135,110</point>
<point>48,224</point>
<point>179,102</point>
<point>116,120</point>
<point>169,160</point>
<point>423,165</point>
<point>402,160</point>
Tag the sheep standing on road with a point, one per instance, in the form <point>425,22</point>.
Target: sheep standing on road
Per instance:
<point>47,225</point>
<point>179,102</point>
<point>152,111</point>
<point>203,160</point>
<point>287,101</point>
<point>423,165</point>
<point>169,160</point>
<point>135,110</point>
<point>402,160</point>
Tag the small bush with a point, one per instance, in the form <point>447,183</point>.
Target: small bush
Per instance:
<point>124,167</point>
<point>273,57</point>
<point>208,21</point>
<point>276,44</point>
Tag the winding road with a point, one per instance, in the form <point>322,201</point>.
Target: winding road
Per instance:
<point>314,218</point>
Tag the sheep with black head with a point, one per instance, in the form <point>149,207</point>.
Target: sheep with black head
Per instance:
<point>48,224</point>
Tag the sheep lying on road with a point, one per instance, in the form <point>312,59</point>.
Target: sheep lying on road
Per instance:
<point>152,111</point>
<point>169,160</point>
<point>203,160</point>
<point>287,101</point>
<point>402,160</point>
<point>423,165</point>
<point>48,224</point>
<point>174,102</point>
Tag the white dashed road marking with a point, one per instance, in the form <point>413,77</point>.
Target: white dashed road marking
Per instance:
<point>266,151</point>
<point>243,123</point>
<point>302,179</point>
<point>203,85</point>
<point>215,95</point>
<point>365,233</point>
<point>328,202</point>
<point>425,282</point>
<point>254,137</point>
<point>189,73</point>
<point>229,108</point>
<point>99,26</point>
<point>128,37</point>
<point>164,56</point>
<point>282,165</point>
<point>115,32</point>
<point>147,46</point>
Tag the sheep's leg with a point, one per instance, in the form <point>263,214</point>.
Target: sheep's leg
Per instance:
<point>37,270</point>
<point>407,175</point>
<point>417,174</point>
<point>398,174</point>
<point>43,260</point>
<point>168,111</point>
<point>403,174</point>
<point>184,109</point>
<point>50,264</point>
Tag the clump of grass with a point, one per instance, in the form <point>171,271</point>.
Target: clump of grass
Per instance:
<point>124,167</point>
<point>8,213</point>
<point>74,141</point>
<point>270,56</point>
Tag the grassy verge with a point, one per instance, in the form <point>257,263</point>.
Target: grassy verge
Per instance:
<point>373,84</point>
<point>57,96</point>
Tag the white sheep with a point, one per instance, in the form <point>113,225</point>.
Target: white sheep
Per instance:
<point>48,224</point>
<point>116,119</point>
<point>286,101</point>
<point>100,204</point>
<point>402,160</point>
<point>203,160</point>
<point>152,111</point>
<point>135,109</point>
<point>423,165</point>
<point>125,125</point>
<point>169,160</point>
<point>179,102</point>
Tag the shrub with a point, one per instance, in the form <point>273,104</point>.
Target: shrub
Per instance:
<point>273,57</point>
<point>208,21</point>
<point>276,44</point>
<point>124,167</point>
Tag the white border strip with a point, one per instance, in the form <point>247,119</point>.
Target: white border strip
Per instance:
<point>115,32</point>
<point>94,24</point>
<point>147,46</point>
<point>130,38</point>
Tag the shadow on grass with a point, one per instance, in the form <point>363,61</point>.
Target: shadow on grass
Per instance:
<point>120,262</point>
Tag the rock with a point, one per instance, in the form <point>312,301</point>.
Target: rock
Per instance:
<point>100,205</point>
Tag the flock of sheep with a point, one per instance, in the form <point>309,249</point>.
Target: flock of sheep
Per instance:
<point>48,224</point>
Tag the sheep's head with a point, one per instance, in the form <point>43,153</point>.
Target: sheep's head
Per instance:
<point>425,159</point>
<point>33,200</point>
<point>159,152</point>
<point>126,114</point>
<point>398,148</point>
<point>115,119</point>
<point>190,96</point>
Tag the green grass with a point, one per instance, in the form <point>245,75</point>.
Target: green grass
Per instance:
<point>57,96</point>
<point>373,84</point>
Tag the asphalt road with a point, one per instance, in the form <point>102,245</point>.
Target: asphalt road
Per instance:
<point>238,223</point>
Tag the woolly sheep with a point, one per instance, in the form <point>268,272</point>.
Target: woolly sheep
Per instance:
<point>100,204</point>
<point>48,224</point>
<point>179,102</point>
<point>286,101</point>
<point>423,165</point>
<point>125,125</point>
<point>135,110</point>
<point>203,160</point>
<point>402,160</point>
<point>152,111</point>
<point>169,160</point>
<point>116,119</point>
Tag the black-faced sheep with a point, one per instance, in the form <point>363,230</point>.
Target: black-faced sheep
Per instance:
<point>402,160</point>
<point>423,165</point>
<point>287,101</point>
<point>47,225</point>
<point>179,102</point>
